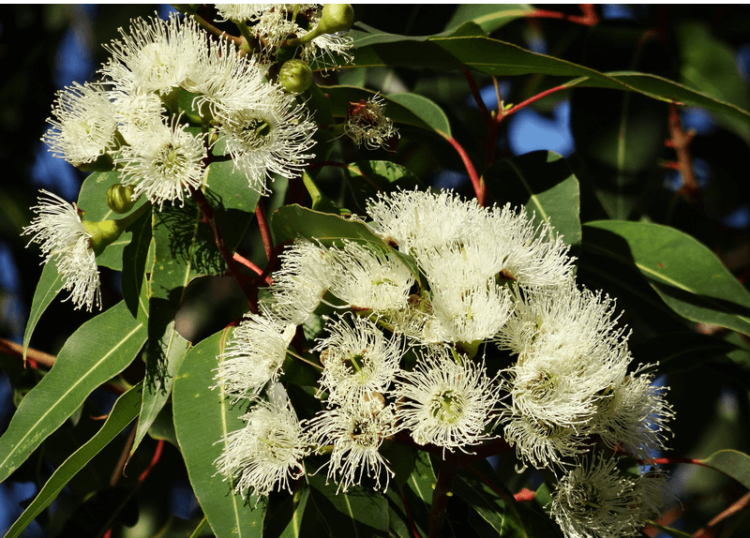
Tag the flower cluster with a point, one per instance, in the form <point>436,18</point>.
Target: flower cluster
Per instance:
<point>450,293</point>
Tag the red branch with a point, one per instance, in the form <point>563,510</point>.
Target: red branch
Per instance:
<point>740,504</point>
<point>250,265</point>
<point>478,97</point>
<point>589,17</point>
<point>669,461</point>
<point>681,142</point>
<point>33,356</point>
<point>208,217</point>
<point>265,232</point>
<point>154,461</point>
<point>409,517</point>
<point>530,100</point>
<point>478,184</point>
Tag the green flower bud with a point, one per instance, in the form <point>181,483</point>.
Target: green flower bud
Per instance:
<point>336,18</point>
<point>103,233</point>
<point>119,198</point>
<point>295,76</point>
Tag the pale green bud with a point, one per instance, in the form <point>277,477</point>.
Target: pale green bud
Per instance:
<point>336,18</point>
<point>103,233</point>
<point>295,76</point>
<point>119,198</point>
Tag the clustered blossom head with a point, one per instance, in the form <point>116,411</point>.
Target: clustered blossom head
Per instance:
<point>408,357</point>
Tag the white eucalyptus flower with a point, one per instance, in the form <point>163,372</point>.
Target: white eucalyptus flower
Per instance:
<point>84,127</point>
<point>63,238</point>
<point>267,453</point>
<point>595,500</point>
<point>165,164</point>
<point>242,12</point>
<point>138,114</point>
<point>370,278</point>
<point>358,360</point>
<point>254,355</point>
<point>634,417</point>
<point>366,123</point>
<point>544,444</point>
<point>270,136</point>
<point>355,433</point>
<point>447,403</point>
<point>155,55</point>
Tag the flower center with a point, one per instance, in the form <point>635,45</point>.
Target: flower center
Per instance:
<point>256,132</point>
<point>448,406</point>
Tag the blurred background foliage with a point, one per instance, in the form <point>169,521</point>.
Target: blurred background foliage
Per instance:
<point>614,141</point>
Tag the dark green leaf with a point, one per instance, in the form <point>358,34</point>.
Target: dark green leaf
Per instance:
<point>702,290</point>
<point>543,182</point>
<point>122,414</point>
<point>732,463</point>
<point>368,178</point>
<point>134,264</point>
<point>360,512</point>
<point>228,188</point>
<point>99,350</point>
<point>49,285</point>
<point>202,419</point>
<point>426,110</point>
<point>173,352</point>
<point>286,522</point>
<point>679,352</point>
<point>709,66</point>
<point>489,17</point>
<point>494,57</point>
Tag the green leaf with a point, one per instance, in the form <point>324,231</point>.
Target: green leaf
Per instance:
<point>411,110</point>
<point>498,58</point>
<point>360,512</point>
<point>489,17</point>
<point>228,188</point>
<point>202,419</point>
<point>99,350</point>
<point>543,182</point>
<point>367,178</point>
<point>708,65</point>
<point>289,222</point>
<point>498,508</point>
<point>134,264</point>
<point>364,35</point>
<point>732,463</point>
<point>49,285</point>
<point>426,110</point>
<point>685,274</point>
<point>122,414</point>
<point>174,350</point>
<point>679,352</point>
<point>286,522</point>
<point>417,490</point>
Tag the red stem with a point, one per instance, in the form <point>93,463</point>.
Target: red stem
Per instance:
<point>478,97</point>
<point>265,232</point>
<point>669,461</point>
<point>477,183</point>
<point>250,265</point>
<point>588,18</point>
<point>154,461</point>
<point>208,217</point>
<point>409,517</point>
<point>530,100</point>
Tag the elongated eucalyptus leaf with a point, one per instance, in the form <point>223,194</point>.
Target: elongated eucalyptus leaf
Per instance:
<point>134,264</point>
<point>173,352</point>
<point>228,188</point>
<point>99,350</point>
<point>498,58</point>
<point>359,512</point>
<point>544,183</point>
<point>202,419</point>
<point>416,493</point>
<point>489,17</point>
<point>732,463</point>
<point>287,520</point>
<point>685,274</point>
<point>49,285</point>
<point>426,110</point>
<point>122,414</point>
